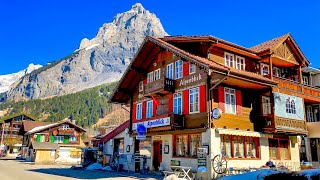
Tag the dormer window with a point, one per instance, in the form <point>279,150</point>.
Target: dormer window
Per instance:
<point>229,59</point>
<point>65,126</point>
<point>240,63</point>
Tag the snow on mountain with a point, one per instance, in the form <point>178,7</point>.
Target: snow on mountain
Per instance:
<point>7,80</point>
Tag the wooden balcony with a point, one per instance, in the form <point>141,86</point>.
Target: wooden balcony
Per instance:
<point>285,125</point>
<point>300,90</point>
<point>161,86</point>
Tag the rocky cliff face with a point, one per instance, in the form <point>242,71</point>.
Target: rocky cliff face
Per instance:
<point>7,80</point>
<point>99,60</point>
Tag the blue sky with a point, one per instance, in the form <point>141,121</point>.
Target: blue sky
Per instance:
<point>43,31</point>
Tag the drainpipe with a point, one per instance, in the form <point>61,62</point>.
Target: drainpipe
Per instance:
<point>209,91</point>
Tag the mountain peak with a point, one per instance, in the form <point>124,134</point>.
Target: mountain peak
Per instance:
<point>138,7</point>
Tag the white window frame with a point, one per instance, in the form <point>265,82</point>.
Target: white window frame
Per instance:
<point>305,80</point>
<point>178,69</point>
<point>266,105</point>
<point>139,111</point>
<point>291,106</point>
<point>156,74</point>
<point>58,139</point>
<point>141,86</point>
<point>196,100</point>
<point>169,73</point>
<point>192,68</point>
<point>65,126</point>
<point>240,63</point>
<point>150,77</point>
<point>72,139</point>
<point>177,103</point>
<point>149,110</point>
<point>310,114</point>
<point>229,106</point>
<point>262,69</point>
<point>227,61</point>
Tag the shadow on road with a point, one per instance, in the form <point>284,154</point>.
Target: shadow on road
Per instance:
<point>83,174</point>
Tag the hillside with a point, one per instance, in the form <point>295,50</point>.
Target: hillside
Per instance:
<point>86,107</point>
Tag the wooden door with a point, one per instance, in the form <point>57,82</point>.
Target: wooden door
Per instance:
<point>157,154</point>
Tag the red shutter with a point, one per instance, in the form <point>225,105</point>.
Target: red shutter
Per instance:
<point>144,108</point>
<point>134,110</point>
<point>202,96</point>
<point>154,108</point>
<point>145,81</point>
<point>185,68</point>
<point>221,98</point>
<point>186,101</point>
<point>170,103</point>
<point>239,102</point>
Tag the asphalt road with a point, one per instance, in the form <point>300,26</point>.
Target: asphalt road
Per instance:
<point>20,170</point>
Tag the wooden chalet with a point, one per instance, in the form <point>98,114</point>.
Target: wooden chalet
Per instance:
<point>9,129</point>
<point>58,142</point>
<point>173,84</point>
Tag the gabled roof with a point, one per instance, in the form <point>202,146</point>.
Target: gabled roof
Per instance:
<point>16,115</point>
<point>115,132</point>
<point>45,127</point>
<point>268,44</point>
<point>152,45</point>
<point>29,125</point>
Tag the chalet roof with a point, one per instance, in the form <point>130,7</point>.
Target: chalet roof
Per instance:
<point>140,64</point>
<point>44,145</point>
<point>16,115</point>
<point>29,125</point>
<point>268,44</point>
<point>115,132</point>
<point>45,127</point>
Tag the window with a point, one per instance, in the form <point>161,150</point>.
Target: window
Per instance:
<point>150,77</point>
<point>149,109</point>
<point>65,126</point>
<point>239,146</point>
<point>178,69</point>
<point>157,74</point>
<point>266,105</point>
<point>229,59</point>
<point>177,103</point>
<point>279,149</point>
<point>290,106</point>
<point>169,73</point>
<point>230,100</point>
<point>72,139</point>
<point>240,63</point>
<point>58,139</point>
<point>309,114</point>
<point>194,100</point>
<point>264,69</point>
<point>277,72</point>
<point>305,80</point>
<point>192,68</point>
<point>139,111</point>
<point>16,126</point>
<point>140,86</point>
<point>187,145</point>
<point>42,138</point>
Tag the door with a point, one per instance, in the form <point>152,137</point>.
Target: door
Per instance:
<point>157,154</point>
<point>314,150</point>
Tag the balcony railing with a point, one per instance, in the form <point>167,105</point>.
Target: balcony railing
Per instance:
<point>290,125</point>
<point>161,86</point>
<point>297,87</point>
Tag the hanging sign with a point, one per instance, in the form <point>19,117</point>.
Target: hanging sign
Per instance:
<point>141,129</point>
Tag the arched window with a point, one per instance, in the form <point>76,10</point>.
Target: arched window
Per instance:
<point>290,106</point>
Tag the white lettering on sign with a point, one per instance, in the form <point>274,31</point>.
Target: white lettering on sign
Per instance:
<point>184,82</point>
<point>153,123</point>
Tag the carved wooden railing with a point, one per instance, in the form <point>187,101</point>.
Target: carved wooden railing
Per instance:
<point>290,124</point>
<point>297,87</point>
<point>163,84</point>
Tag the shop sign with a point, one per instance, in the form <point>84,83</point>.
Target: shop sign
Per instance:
<point>141,137</point>
<point>141,129</point>
<point>202,159</point>
<point>216,113</point>
<point>152,123</point>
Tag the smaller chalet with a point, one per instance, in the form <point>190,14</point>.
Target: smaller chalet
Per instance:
<point>58,142</point>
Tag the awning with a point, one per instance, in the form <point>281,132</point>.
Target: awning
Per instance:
<point>313,129</point>
<point>242,133</point>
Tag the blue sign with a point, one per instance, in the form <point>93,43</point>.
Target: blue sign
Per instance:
<point>141,129</point>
